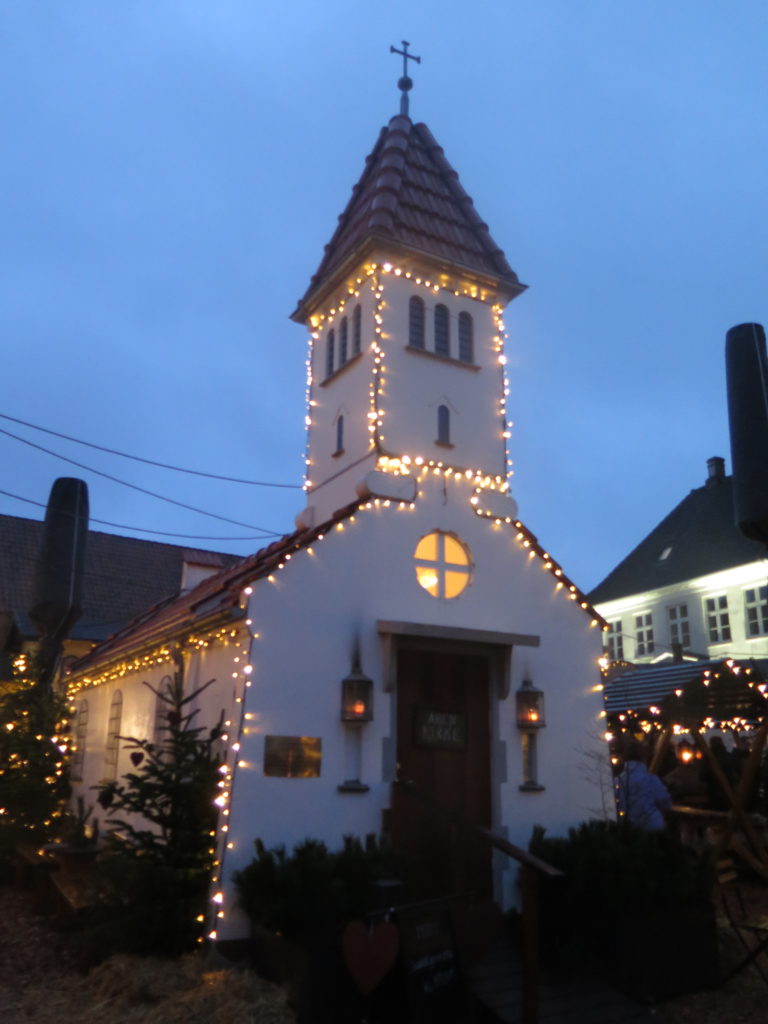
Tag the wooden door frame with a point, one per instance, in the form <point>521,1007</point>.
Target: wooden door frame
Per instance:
<point>497,647</point>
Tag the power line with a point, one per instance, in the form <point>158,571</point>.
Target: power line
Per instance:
<point>148,462</point>
<point>142,529</point>
<point>134,487</point>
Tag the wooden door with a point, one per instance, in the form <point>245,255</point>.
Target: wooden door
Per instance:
<point>443,752</point>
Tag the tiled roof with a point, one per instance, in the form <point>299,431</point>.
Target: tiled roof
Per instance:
<point>410,196</point>
<point>696,538</point>
<point>215,596</point>
<point>123,575</point>
<point>648,686</point>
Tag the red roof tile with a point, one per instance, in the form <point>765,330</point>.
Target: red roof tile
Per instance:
<point>410,195</point>
<point>215,596</point>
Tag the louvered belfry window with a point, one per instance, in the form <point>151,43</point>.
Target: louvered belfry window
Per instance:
<point>442,335</point>
<point>466,339</point>
<point>356,330</point>
<point>416,322</point>
<point>343,341</point>
<point>330,355</point>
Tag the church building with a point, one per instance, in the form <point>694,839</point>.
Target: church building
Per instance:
<point>411,651</point>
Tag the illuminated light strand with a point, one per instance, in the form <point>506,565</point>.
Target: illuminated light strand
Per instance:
<point>162,654</point>
<point>418,468</point>
<point>319,320</point>
<point>373,274</point>
<point>243,660</point>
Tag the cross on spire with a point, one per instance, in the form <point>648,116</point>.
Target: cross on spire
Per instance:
<point>405,84</point>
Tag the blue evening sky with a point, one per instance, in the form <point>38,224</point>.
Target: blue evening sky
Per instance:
<point>173,168</point>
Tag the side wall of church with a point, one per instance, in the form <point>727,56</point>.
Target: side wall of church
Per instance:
<point>308,619</point>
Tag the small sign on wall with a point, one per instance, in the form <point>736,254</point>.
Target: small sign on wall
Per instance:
<point>446,730</point>
<point>292,757</point>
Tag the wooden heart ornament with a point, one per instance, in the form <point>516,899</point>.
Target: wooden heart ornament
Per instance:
<point>370,953</point>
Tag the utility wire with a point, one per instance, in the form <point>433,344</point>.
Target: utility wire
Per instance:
<point>142,529</point>
<point>135,487</point>
<point>148,462</point>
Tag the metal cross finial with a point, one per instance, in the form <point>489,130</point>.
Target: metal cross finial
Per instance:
<point>405,84</point>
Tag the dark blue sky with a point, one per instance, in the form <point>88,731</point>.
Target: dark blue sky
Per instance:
<point>173,168</point>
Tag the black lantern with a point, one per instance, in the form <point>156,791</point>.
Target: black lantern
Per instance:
<point>530,707</point>
<point>356,695</point>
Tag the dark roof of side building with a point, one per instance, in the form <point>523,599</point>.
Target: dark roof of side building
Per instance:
<point>698,537</point>
<point>123,575</point>
<point>409,196</point>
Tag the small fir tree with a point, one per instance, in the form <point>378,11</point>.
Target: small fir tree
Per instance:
<point>161,820</point>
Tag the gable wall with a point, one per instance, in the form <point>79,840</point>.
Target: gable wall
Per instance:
<point>307,621</point>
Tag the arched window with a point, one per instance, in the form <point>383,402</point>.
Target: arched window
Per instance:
<point>416,322</point>
<point>466,339</point>
<point>81,738</point>
<point>442,336</point>
<point>112,748</point>
<point>343,336</point>
<point>443,424</point>
<point>162,707</point>
<point>356,330</point>
<point>330,357</point>
<point>339,436</point>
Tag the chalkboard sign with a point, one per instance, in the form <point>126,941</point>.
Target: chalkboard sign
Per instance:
<point>446,730</point>
<point>431,965</point>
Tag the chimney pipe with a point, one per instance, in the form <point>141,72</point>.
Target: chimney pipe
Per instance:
<point>715,470</point>
<point>747,381</point>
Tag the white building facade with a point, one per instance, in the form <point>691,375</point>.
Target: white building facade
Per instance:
<point>695,585</point>
<point>410,576</point>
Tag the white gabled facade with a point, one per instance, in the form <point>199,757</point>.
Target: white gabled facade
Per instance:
<point>409,549</point>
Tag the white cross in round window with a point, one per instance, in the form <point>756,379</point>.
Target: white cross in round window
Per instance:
<point>442,564</point>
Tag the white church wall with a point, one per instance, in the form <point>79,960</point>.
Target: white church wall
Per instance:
<point>307,621</point>
<point>345,393</point>
<point>416,383</point>
<point>139,710</point>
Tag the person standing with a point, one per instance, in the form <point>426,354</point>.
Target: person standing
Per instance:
<point>642,798</point>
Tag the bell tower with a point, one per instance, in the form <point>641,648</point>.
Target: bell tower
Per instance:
<point>406,360</point>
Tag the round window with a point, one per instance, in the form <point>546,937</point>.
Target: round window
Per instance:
<point>442,564</point>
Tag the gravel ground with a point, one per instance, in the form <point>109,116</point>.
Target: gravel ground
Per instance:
<point>39,983</point>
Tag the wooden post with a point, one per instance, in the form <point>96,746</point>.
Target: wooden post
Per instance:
<point>737,815</point>
<point>660,750</point>
<point>530,945</point>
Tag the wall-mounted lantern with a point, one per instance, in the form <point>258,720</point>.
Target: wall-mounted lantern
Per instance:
<point>356,696</point>
<point>530,707</point>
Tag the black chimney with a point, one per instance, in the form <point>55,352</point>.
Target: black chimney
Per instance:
<point>747,380</point>
<point>715,470</point>
<point>58,578</point>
